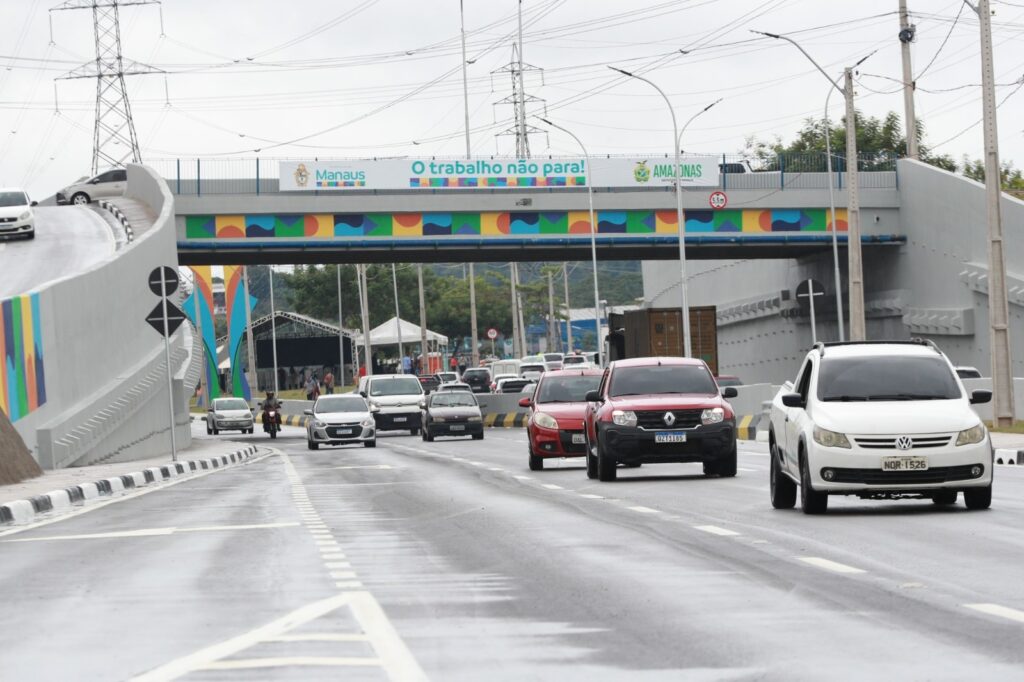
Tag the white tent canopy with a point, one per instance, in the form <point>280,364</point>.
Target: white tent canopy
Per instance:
<point>387,334</point>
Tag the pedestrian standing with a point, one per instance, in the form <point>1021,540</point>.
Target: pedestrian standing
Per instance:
<point>310,387</point>
<point>329,383</point>
<point>407,364</point>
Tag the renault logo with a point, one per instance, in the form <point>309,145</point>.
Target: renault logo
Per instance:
<point>669,419</point>
<point>904,443</point>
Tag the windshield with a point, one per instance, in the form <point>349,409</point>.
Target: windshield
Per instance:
<point>895,377</point>
<point>395,386</point>
<point>573,359</point>
<point>552,357</point>
<point>567,389</point>
<point>344,403</point>
<point>476,374</point>
<point>230,404</point>
<point>658,379</point>
<point>447,376</point>
<point>531,368</point>
<point>453,399</point>
<point>8,199</point>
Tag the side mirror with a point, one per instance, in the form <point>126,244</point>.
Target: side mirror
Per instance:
<point>525,402</point>
<point>593,397</point>
<point>730,392</point>
<point>308,413</point>
<point>34,203</point>
<point>423,404</point>
<point>362,393</point>
<point>793,400</point>
<point>981,396</point>
<point>209,409</point>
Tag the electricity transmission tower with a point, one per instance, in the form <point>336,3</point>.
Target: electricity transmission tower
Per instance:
<point>114,139</point>
<point>519,98</point>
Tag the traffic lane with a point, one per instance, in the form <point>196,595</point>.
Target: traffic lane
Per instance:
<point>69,240</point>
<point>906,544</point>
<point>126,603</point>
<point>483,570</point>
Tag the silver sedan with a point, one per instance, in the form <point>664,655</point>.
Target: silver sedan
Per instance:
<point>338,420</point>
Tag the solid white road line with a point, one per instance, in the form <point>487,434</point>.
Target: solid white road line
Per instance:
<point>997,610</point>
<point>590,496</point>
<point>551,486</point>
<point>150,532</point>
<point>523,478</point>
<point>829,565</point>
<point>396,658</point>
<point>366,466</point>
<point>715,530</point>
<point>289,661</point>
<point>743,469</point>
<point>644,510</point>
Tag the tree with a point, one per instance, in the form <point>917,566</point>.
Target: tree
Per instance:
<point>1011,179</point>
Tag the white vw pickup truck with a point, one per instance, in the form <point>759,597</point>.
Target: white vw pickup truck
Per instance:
<point>880,420</point>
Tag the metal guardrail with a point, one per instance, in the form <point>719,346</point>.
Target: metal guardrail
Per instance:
<point>198,177</point>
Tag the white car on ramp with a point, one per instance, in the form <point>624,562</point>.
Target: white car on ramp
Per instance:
<point>879,420</point>
<point>17,219</point>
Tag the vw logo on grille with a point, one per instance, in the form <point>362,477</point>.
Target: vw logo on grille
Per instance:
<point>669,419</point>
<point>904,443</point>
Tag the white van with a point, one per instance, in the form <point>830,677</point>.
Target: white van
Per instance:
<point>394,401</point>
<point>505,367</point>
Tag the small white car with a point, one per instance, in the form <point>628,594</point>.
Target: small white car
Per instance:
<point>17,219</point>
<point>229,414</point>
<point>879,420</point>
<point>532,370</point>
<point>394,400</point>
<point>339,420</point>
<point>110,183</point>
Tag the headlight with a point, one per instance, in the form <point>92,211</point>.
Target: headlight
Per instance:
<point>217,415</point>
<point>830,439</point>
<point>624,418</point>
<point>368,422</point>
<point>25,216</point>
<point>546,421</point>
<point>319,424</point>
<point>476,419</point>
<point>971,436</point>
<point>440,420</point>
<point>712,415</point>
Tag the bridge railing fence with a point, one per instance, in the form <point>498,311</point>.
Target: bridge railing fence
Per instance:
<point>775,172</point>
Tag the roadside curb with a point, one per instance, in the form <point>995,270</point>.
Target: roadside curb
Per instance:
<point>121,218</point>
<point>511,420</point>
<point>18,512</point>
<point>1009,456</point>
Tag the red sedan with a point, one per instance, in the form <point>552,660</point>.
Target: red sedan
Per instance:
<point>557,408</point>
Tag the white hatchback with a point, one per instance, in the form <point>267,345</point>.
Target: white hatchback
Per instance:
<point>338,420</point>
<point>881,421</point>
<point>17,219</point>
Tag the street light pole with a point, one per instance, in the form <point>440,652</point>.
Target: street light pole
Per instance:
<point>593,240</point>
<point>473,330</point>
<point>341,335</point>
<point>906,36</point>
<point>832,218</point>
<point>684,304</point>
<point>858,330</point>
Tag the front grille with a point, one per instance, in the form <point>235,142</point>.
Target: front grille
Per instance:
<point>889,442</point>
<point>7,220</point>
<point>933,476</point>
<point>351,429</point>
<point>655,419</point>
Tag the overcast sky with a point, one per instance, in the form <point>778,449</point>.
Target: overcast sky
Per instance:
<point>384,76</point>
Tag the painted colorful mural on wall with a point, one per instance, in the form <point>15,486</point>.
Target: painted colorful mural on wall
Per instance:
<point>22,371</point>
<point>199,306</point>
<point>234,297</point>
<point>499,224</point>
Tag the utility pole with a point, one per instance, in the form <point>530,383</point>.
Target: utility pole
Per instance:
<point>473,330</point>
<point>273,333</point>
<point>114,138</point>
<point>519,312</point>
<point>906,37</point>
<point>568,310</point>
<point>398,318</point>
<point>858,331</point>
<point>424,351</point>
<point>998,308</point>
<point>553,343</point>
<point>254,386</point>
<point>364,311</point>
<point>341,337</point>
<point>517,350</point>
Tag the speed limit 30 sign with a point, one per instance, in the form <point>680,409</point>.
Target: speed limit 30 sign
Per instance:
<point>718,200</point>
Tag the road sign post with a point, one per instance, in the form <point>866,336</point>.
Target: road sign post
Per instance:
<point>718,200</point>
<point>166,318</point>
<point>810,289</point>
<point>492,334</point>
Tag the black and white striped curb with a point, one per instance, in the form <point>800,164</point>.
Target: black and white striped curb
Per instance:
<point>26,511</point>
<point>1009,456</point>
<point>117,213</point>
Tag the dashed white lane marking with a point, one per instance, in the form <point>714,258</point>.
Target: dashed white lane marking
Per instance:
<point>551,486</point>
<point>644,510</point>
<point>289,662</point>
<point>343,575</point>
<point>495,469</point>
<point>349,585</point>
<point>715,530</point>
<point>997,610</point>
<point>744,469</point>
<point>150,532</point>
<point>338,564</point>
<point>591,496</point>
<point>830,565</point>
<point>523,478</point>
<point>366,466</point>
<point>478,464</point>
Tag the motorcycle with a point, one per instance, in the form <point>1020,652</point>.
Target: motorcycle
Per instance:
<point>271,422</point>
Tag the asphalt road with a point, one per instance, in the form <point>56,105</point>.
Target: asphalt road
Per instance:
<point>69,240</point>
<point>452,561</point>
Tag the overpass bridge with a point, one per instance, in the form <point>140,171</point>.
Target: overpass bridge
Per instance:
<point>241,216</point>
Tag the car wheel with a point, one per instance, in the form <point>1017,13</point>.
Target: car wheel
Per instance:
<point>945,497</point>
<point>727,463</point>
<point>216,432</point>
<point>978,498</point>
<point>811,502</point>
<point>31,235</point>
<point>209,431</point>
<point>428,436</point>
<point>536,463</point>
<point>80,199</point>
<point>312,446</point>
<point>782,487</point>
<point>370,443</point>
<point>591,459</point>
<point>605,465</point>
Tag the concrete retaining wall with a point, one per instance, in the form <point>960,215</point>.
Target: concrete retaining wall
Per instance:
<point>106,391</point>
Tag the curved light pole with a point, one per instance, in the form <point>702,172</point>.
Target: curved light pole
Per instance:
<point>832,213</point>
<point>593,238</point>
<point>858,329</point>
<point>684,304</point>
